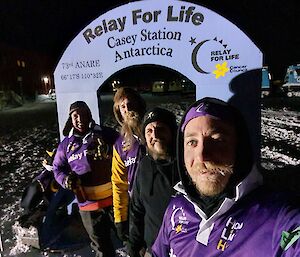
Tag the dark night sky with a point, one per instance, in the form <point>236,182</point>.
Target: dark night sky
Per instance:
<point>49,25</point>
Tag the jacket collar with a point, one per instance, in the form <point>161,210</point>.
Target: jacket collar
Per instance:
<point>95,128</point>
<point>251,182</point>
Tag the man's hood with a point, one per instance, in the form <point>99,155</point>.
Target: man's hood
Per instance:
<point>244,158</point>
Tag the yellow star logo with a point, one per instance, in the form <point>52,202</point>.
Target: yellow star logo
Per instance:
<point>221,70</point>
<point>178,228</point>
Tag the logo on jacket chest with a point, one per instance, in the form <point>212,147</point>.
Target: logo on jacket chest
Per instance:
<point>126,146</point>
<point>78,156</point>
<point>228,233</point>
<point>130,161</point>
<point>179,220</point>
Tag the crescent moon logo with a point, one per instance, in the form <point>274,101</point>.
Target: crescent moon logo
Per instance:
<point>173,217</point>
<point>173,222</point>
<point>194,57</point>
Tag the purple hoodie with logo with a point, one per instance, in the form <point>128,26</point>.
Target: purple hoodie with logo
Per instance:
<point>247,220</point>
<point>249,225</point>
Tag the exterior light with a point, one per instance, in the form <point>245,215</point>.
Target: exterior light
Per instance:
<point>46,80</point>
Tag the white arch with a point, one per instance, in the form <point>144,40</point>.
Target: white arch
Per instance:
<point>186,37</point>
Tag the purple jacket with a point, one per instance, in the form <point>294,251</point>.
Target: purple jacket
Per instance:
<point>79,155</point>
<point>124,165</point>
<point>249,225</point>
<point>130,158</point>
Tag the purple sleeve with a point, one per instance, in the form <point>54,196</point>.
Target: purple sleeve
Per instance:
<point>60,164</point>
<point>161,247</point>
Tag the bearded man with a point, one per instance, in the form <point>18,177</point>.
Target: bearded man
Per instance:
<point>129,109</point>
<point>155,178</point>
<point>222,209</point>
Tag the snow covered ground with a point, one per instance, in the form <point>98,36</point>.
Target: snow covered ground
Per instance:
<point>280,138</point>
<point>23,149</point>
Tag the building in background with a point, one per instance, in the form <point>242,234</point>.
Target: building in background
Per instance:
<point>23,74</point>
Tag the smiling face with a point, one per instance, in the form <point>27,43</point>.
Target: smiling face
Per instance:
<point>209,153</point>
<point>158,139</point>
<point>80,120</point>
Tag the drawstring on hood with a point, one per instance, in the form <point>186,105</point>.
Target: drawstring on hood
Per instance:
<point>244,160</point>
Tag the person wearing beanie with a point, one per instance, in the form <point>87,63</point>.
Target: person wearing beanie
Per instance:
<point>155,178</point>
<point>129,109</point>
<point>222,207</point>
<point>82,164</point>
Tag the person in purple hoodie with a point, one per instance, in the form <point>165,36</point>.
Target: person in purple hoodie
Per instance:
<point>222,207</point>
<point>83,164</point>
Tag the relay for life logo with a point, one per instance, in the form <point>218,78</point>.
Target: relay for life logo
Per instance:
<point>194,41</point>
<point>217,60</point>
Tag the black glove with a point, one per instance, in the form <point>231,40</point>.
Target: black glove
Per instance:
<point>134,252</point>
<point>122,230</point>
<point>32,196</point>
<point>71,181</point>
